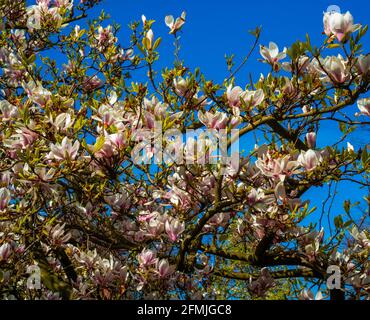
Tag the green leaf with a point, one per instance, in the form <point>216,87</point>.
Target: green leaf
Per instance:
<point>157,43</point>
<point>333,45</point>
<point>99,144</point>
<point>338,222</point>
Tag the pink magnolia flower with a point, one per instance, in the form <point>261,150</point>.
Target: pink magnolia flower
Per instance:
<point>106,151</point>
<point>5,197</point>
<point>335,68</point>
<point>66,4</point>
<point>8,111</point>
<point>277,168</point>
<point>217,120</point>
<point>118,140</point>
<point>262,284</point>
<point>272,55</point>
<point>339,25</point>
<point>182,86</point>
<point>5,178</point>
<point>219,219</point>
<point>57,235</point>
<point>108,116</point>
<point>174,228</point>
<point>363,64</point>
<point>310,159</point>
<point>288,89</point>
<point>175,25</point>
<point>164,269</point>
<point>62,121</point>
<point>40,95</point>
<point>364,106</point>
<point>91,83</point>
<point>179,197</point>
<point>118,201</point>
<point>311,139</point>
<point>5,251</point>
<point>308,295</point>
<point>22,139</point>
<point>64,150</point>
<point>104,38</point>
<point>149,37</point>
<point>155,226</point>
<point>253,98</point>
<point>233,96</point>
<point>303,64</point>
<point>147,257</point>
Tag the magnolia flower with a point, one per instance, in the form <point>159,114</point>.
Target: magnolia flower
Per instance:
<point>233,96</point>
<point>57,236</point>
<point>311,139</point>
<point>5,178</point>
<point>108,116</point>
<point>308,295</point>
<point>22,139</point>
<point>118,201</point>
<point>253,98</point>
<point>288,88</point>
<point>217,120</point>
<point>338,24</point>
<point>8,111</point>
<point>181,86</point>
<point>335,68</point>
<point>164,269</point>
<point>33,18</point>
<point>350,147</point>
<point>310,159</point>
<point>40,95</point>
<point>263,283</point>
<point>277,168</point>
<point>5,251</point>
<point>364,106</point>
<point>272,55</point>
<point>361,237</point>
<point>174,228</point>
<point>303,63</point>
<point>175,25</point>
<point>91,83</point>
<point>149,36</point>
<point>66,4</point>
<point>147,257</point>
<point>106,151</point>
<point>104,38</point>
<point>257,199</point>
<point>5,197</point>
<point>363,64</point>
<point>64,150</point>
<point>62,122</point>
<point>118,139</point>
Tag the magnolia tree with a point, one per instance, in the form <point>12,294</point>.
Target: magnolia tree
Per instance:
<point>116,189</point>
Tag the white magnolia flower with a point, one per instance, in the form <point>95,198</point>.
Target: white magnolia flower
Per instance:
<point>364,106</point>
<point>339,25</point>
<point>65,150</point>
<point>272,54</point>
<point>310,159</point>
<point>175,25</point>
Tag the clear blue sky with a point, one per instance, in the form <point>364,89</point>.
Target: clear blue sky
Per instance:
<point>214,28</point>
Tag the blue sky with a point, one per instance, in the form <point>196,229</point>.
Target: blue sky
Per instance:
<point>216,27</point>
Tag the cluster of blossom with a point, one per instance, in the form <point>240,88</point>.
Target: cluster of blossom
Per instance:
<point>77,204</point>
